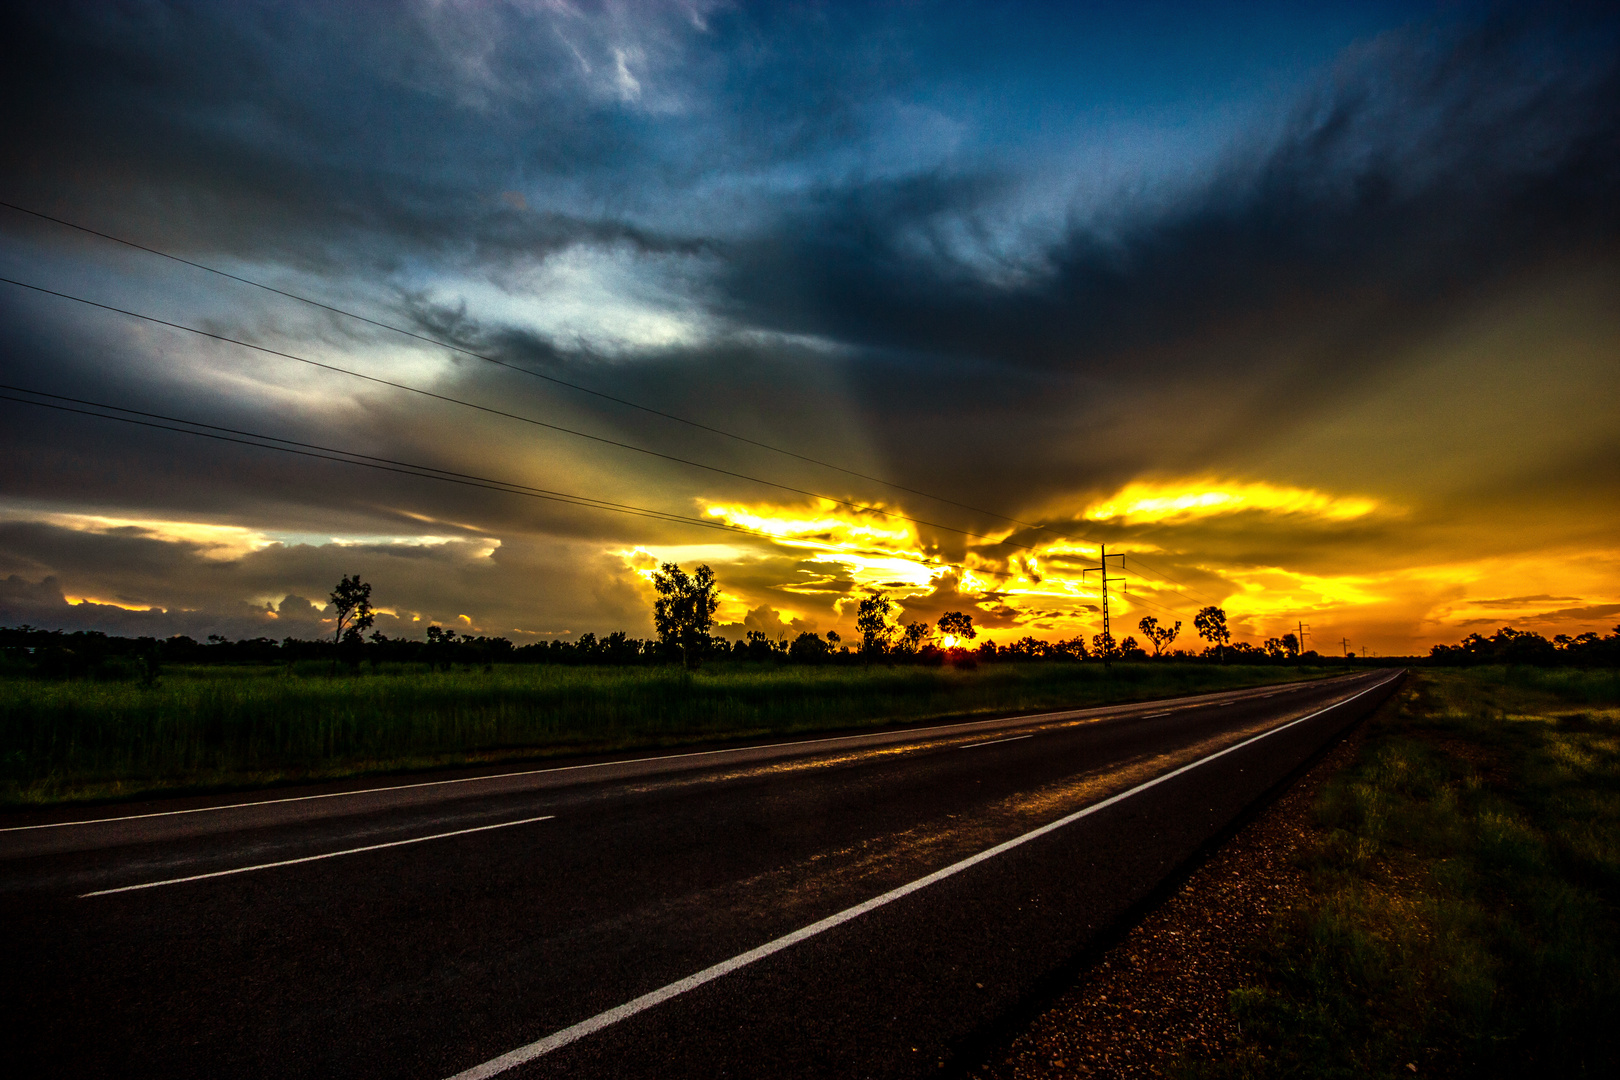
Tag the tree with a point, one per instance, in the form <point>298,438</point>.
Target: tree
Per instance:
<point>756,646</point>
<point>809,648</point>
<point>1104,646</point>
<point>1211,626</point>
<point>1027,647</point>
<point>872,620</point>
<point>685,608</point>
<point>1074,648</point>
<point>352,602</point>
<point>913,636</point>
<point>1160,636</point>
<point>957,625</point>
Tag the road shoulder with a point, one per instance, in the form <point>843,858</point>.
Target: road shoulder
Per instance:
<point>1161,991</point>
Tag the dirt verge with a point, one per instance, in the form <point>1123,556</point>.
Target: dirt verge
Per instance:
<point>1162,990</point>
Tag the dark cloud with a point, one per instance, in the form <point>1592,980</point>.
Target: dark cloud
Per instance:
<point>1164,330</point>
<point>1425,166</point>
<point>355,137</point>
<point>1586,614</point>
<point>131,577</point>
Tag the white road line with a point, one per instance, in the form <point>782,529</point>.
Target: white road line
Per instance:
<point>403,787</point>
<point>992,742</point>
<point>920,732</point>
<point>312,858</point>
<point>1151,715</point>
<point>513,1058</point>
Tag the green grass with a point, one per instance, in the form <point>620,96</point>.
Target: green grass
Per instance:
<point>1462,910</point>
<point>218,727</point>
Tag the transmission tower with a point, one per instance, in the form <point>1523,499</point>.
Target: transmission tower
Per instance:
<point>1102,568</point>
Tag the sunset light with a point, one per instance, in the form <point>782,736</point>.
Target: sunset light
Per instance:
<point>1145,503</point>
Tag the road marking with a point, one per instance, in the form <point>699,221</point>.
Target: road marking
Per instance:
<point>920,732</point>
<point>312,858</point>
<point>555,1041</point>
<point>1151,715</point>
<point>992,742</point>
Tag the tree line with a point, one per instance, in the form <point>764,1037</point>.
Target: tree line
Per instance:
<point>1510,646</point>
<point>683,617</point>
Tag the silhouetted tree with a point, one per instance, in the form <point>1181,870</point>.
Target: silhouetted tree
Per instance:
<point>1211,626</point>
<point>914,635</point>
<point>809,648</point>
<point>352,602</point>
<point>957,625</point>
<point>1283,648</point>
<point>1104,646</point>
<point>1073,649</point>
<point>1027,647</point>
<point>872,620</point>
<point>1160,636</point>
<point>684,611</point>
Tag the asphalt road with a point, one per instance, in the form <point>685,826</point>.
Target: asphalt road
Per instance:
<point>867,906</point>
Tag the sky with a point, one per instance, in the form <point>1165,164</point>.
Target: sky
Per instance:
<point>1308,311</point>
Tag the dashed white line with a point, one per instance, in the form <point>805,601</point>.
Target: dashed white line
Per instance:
<point>312,858</point>
<point>992,742</point>
<point>916,733</point>
<point>555,1041</point>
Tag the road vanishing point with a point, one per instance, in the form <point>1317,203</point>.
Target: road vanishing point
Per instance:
<point>868,905</point>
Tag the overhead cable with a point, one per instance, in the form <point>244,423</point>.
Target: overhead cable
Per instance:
<point>858,507</point>
<point>429,339</point>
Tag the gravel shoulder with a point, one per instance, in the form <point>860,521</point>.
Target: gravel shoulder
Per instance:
<point>1161,991</point>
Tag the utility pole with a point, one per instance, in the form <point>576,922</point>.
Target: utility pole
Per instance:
<point>1302,629</point>
<point>1102,567</point>
<point>1345,643</point>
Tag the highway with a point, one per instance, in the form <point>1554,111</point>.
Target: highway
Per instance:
<point>874,905</point>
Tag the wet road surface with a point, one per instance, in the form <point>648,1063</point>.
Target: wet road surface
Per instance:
<point>862,906</point>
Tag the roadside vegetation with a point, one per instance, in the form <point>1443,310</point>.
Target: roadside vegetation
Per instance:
<point>88,716</point>
<point>1463,915</point>
<point>229,725</point>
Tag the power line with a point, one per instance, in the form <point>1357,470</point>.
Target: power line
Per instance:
<point>698,425</point>
<point>1174,581</point>
<point>1135,598</point>
<point>570,385</point>
<point>1189,610</point>
<point>502,363</point>
<point>859,507</point>
<point>261,441</point>
<point>349,457</point>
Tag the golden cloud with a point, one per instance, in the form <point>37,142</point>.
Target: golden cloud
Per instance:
<point>1142,503</point>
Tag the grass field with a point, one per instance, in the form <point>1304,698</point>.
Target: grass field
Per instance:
<point>1464,893</point>
<point>217,727</point>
